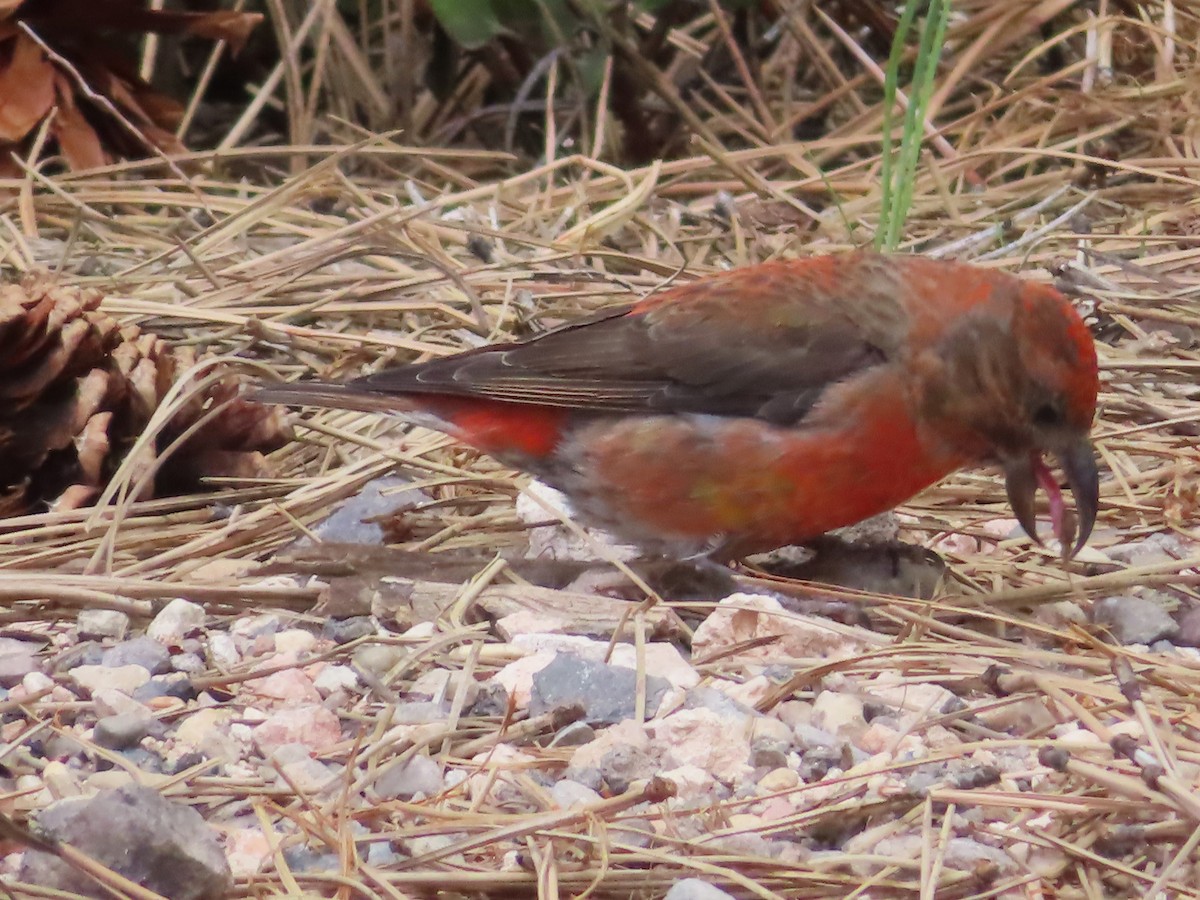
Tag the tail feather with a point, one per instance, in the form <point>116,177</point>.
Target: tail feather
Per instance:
<point>330,395</point>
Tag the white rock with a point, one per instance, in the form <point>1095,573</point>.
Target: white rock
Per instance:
<point>176,621</point>
<point>703,738</point>
<point>295,641</point>
<point>102,623</point>
<point>222,650</point>
<point>568,794</point>
<point>125,679</point>
<point>839,714</point>
<point>538,502</point>
<point>335,678</point>
<point>695,889</point>
<point>663,660</point>
<point>744,618</point>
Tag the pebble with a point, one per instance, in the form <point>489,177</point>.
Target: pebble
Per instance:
<point>335,678</point>
<point>102,623</point>
<point>1134,620</point>
<point>123,730</point>
<point>176,620</point>
<point>314,726</point>
<point>125,679</point>
<point>664,660</point>
<point>289,687</point>
<point>176,685</point>
<point>35,682</point>
<point>177,856</point>
<point>750,619</point>
<point>696,889</point>
<point>85,653</point>
<point>419,775</point>
<point>607,694</point>
<point>295,641</point>
<point>768,754</point>
<point>140,651</point>
<point>570,794</point>
<point>222,650</point>
<point>839,714</point>
<point>702,738</point>
<point>263,624</point>
<point>781,779</point>
<point>378,659</point>
<point>188,663</point>
<point>1189,628</point>
<point>15,666</point>
<point>343,631</point>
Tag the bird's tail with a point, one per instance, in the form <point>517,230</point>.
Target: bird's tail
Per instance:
<point>330,395</point>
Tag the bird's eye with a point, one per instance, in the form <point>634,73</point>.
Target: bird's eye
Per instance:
<point>1047,415</point>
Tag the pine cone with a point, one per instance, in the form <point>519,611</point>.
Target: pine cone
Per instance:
<point>76,391</point>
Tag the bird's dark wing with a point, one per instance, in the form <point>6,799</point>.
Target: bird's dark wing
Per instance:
<point>764,342</point>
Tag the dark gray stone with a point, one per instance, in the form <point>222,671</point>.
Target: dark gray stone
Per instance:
<point>605,693</point>
<point>140,651</point>
<point>342,631</point>
<point>85,653</point>
<point>124,730</point>
<point>156,843</point>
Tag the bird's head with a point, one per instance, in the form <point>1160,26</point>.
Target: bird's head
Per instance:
<point>1017,381</point>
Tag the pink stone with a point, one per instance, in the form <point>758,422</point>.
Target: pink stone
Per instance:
<point>313,726</point>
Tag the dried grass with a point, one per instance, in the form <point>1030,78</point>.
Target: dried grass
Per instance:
<point>331,261</point>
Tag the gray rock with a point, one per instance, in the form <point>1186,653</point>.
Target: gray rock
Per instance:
<point>1189,628</point>
<point>632,832</point>
<point>492,700</point>
<point>768,754</point>
<point>720,703</point>
<point>305,859</point>
<point>175,684</point>
<point>85,653</point>
<point>357,520</point>
<point>816,763</point>
<point>621,766</point>
<point>420,775</point>
<point>190,663</point>
<point>588,776</point>
<point>1134,620</point>
<point>15,666</point>
<point>1156,548</point>
<point>123,730</point>
<point>160,845</point>
<point>606,693</point>
<point>342,631</point>
<point>140,651</point>
<point>695,889</point>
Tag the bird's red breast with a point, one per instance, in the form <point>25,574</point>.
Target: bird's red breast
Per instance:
<point>769,404</point>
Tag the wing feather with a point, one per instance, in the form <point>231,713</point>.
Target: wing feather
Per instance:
<point>764,342</point>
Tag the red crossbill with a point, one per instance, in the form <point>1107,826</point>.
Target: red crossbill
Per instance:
<point>769,404</point>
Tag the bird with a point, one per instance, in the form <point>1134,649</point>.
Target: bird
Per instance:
<point>767,405</point>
